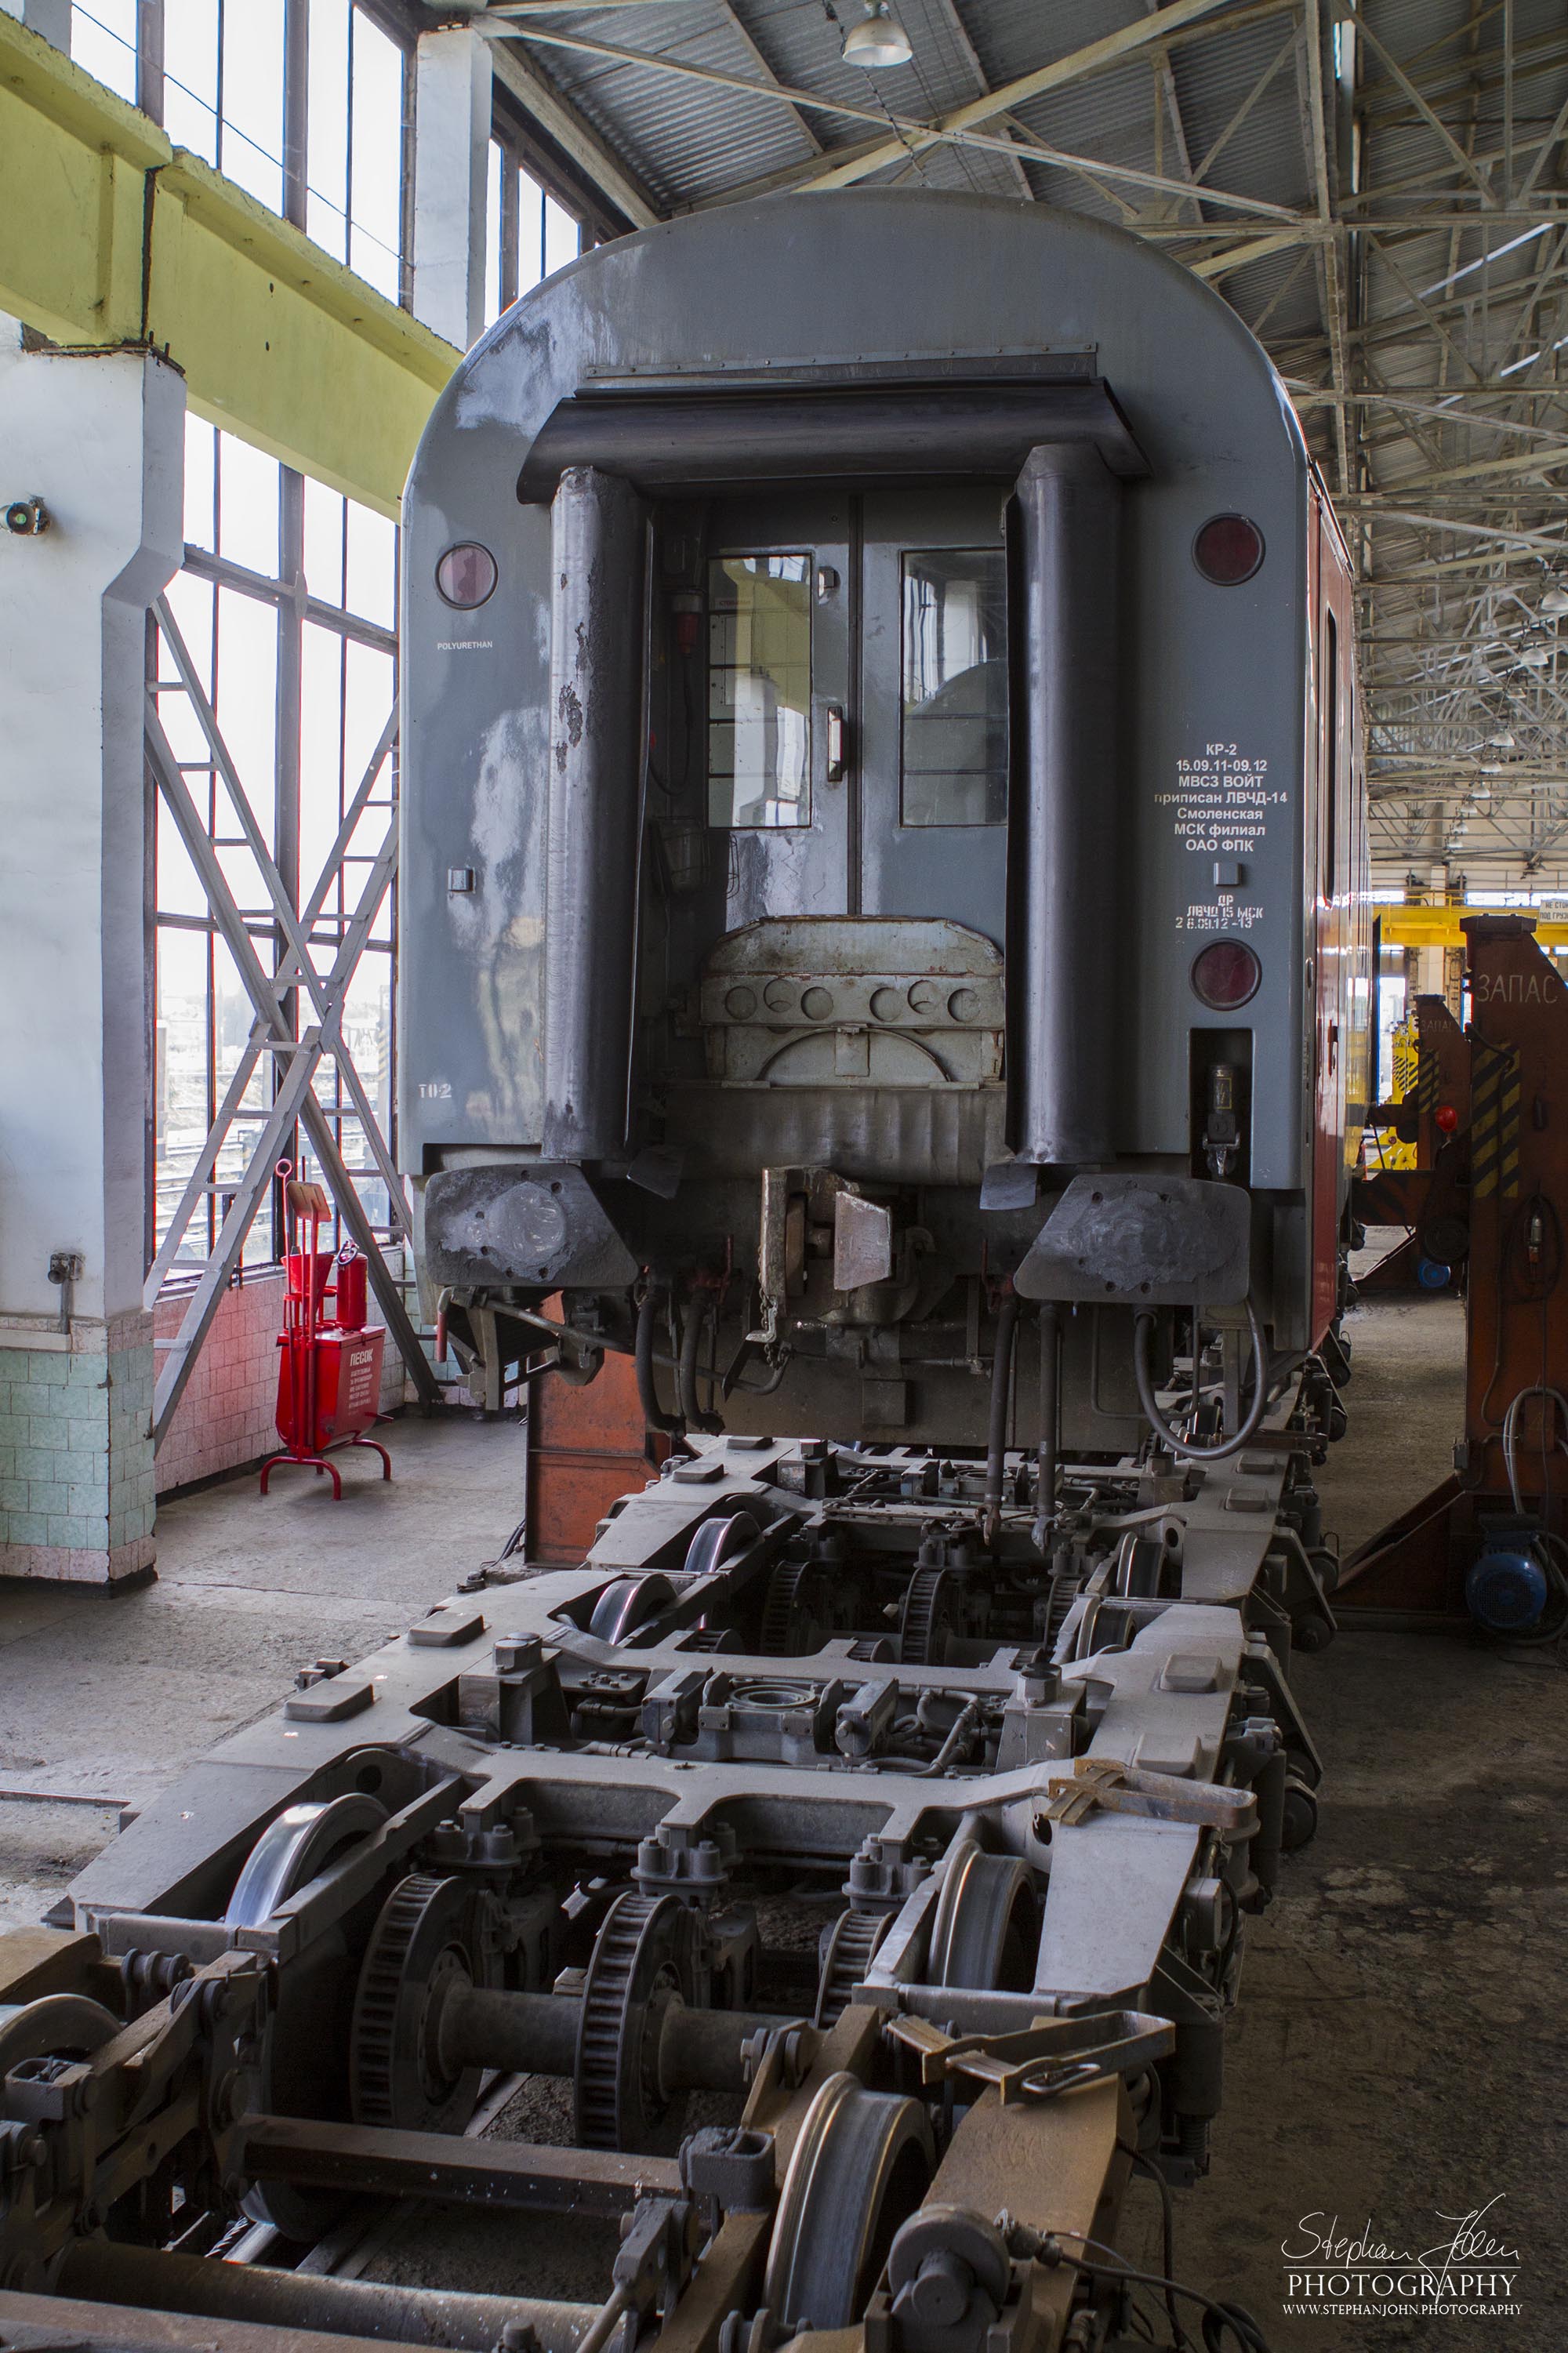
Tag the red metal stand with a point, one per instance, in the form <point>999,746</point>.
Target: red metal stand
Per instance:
<point>1499,1180</point>
<point>329,1381</point>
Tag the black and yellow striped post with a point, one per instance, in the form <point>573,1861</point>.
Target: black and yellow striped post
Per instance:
<point>1494,1123</point>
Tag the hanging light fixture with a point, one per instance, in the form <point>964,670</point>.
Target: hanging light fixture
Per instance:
<point>1555,600</point>
<point>878,40</point>
<point>1534,656</point>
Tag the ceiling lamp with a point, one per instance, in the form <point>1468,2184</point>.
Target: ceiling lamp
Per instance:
<point>1534,656</point>
<point>1504,742</point>
<point>878,40</point>
<point>1555,600</point>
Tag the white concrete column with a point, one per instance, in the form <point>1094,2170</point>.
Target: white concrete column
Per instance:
<point>52,18</point>
<point>451,144</point>
<point>99,440</point>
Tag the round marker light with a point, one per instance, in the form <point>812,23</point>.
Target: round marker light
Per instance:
<point>1448,1118</point>
<point>466,575</point>
<point>1225,976</point>
<point>1228,550</point>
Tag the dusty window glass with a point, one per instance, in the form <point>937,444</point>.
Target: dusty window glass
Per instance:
<point>954,687</point>
<point>759,691</point>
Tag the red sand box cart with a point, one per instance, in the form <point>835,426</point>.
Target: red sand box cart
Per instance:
<point>329,1377</point>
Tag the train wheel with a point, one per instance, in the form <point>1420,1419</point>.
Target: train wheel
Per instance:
<point>983,1935</point>
<point>849,1947</point>
<point>627,1604</point>
<point>641,1963</point>
<point>718,1540</point>
<point>56,2026</point>
<point>790,1625</point>
<point>927,1620</point>
<point>1300,1824</point>
<point>427,1944</point>
<point>298,1847</point>
<point>862,2165</point>
<point>297,2077</point>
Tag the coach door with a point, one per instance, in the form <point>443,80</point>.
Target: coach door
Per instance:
<point>776,721</point>
<point>932,805</point>
<point>856,706</point>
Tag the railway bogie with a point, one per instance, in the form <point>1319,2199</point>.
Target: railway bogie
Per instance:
<point>875,1885</point>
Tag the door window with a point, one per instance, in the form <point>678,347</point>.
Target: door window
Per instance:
<point>954,723</point>
<point>759,691</point>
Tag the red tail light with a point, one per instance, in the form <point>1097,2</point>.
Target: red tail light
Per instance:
<point>1228,550</point>
<point>1225,974</point>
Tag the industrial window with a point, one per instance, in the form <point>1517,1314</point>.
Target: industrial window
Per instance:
<point>355,117</point>
<point>286,603</point>
<point>954,687</point>
<point>103,43</point>
<point>759,691</point>
<point>528,235</point>
<point>224,81</point>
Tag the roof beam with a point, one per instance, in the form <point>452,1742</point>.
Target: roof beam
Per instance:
<point>910,136</point>
<point>1461,161</point>
<point>1259,87</point>
<point>967,50</point>
<point>1166,97</point>
<point>1524,462</point>
<point>543,104</point>
<point>1335,319</point>
<point>1110,50</point>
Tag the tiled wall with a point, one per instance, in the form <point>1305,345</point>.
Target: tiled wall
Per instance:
<point>77,1470</point>
<point>76,1460</point>
<point>225,1418</point>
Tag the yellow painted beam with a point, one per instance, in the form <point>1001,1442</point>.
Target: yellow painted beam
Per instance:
<point>1438,927</point>
<point>109,235</point>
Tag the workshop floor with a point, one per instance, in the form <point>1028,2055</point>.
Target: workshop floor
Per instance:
<point>107,1698</point>
<point>1398,2051</point>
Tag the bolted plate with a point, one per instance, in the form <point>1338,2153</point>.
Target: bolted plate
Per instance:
<point>862,1242</point>
<point>536,1226</point>
<point>1142,1242</point>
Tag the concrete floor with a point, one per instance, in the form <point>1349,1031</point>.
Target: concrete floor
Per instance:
<point>107,1699</point>
<point>1398,2050</point>
<point>1397,2054</point>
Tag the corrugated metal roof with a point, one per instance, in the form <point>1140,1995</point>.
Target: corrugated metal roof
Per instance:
<point>706,98</point>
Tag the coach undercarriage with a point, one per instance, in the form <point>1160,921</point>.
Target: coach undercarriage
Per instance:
<point>870,1858</point>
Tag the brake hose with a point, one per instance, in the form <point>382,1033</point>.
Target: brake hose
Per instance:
<point>996,1439</point>
<point>1143,1325</point>
<point>692,1415</point>
<point>653,1412</point>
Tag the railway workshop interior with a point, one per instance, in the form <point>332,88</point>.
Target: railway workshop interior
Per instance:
<point>783,1175</point>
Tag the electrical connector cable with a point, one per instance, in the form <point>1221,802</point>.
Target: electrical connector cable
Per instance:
<point>1220,2321</point>
<point>1142,1328</point>
<point>1511,1430</point>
